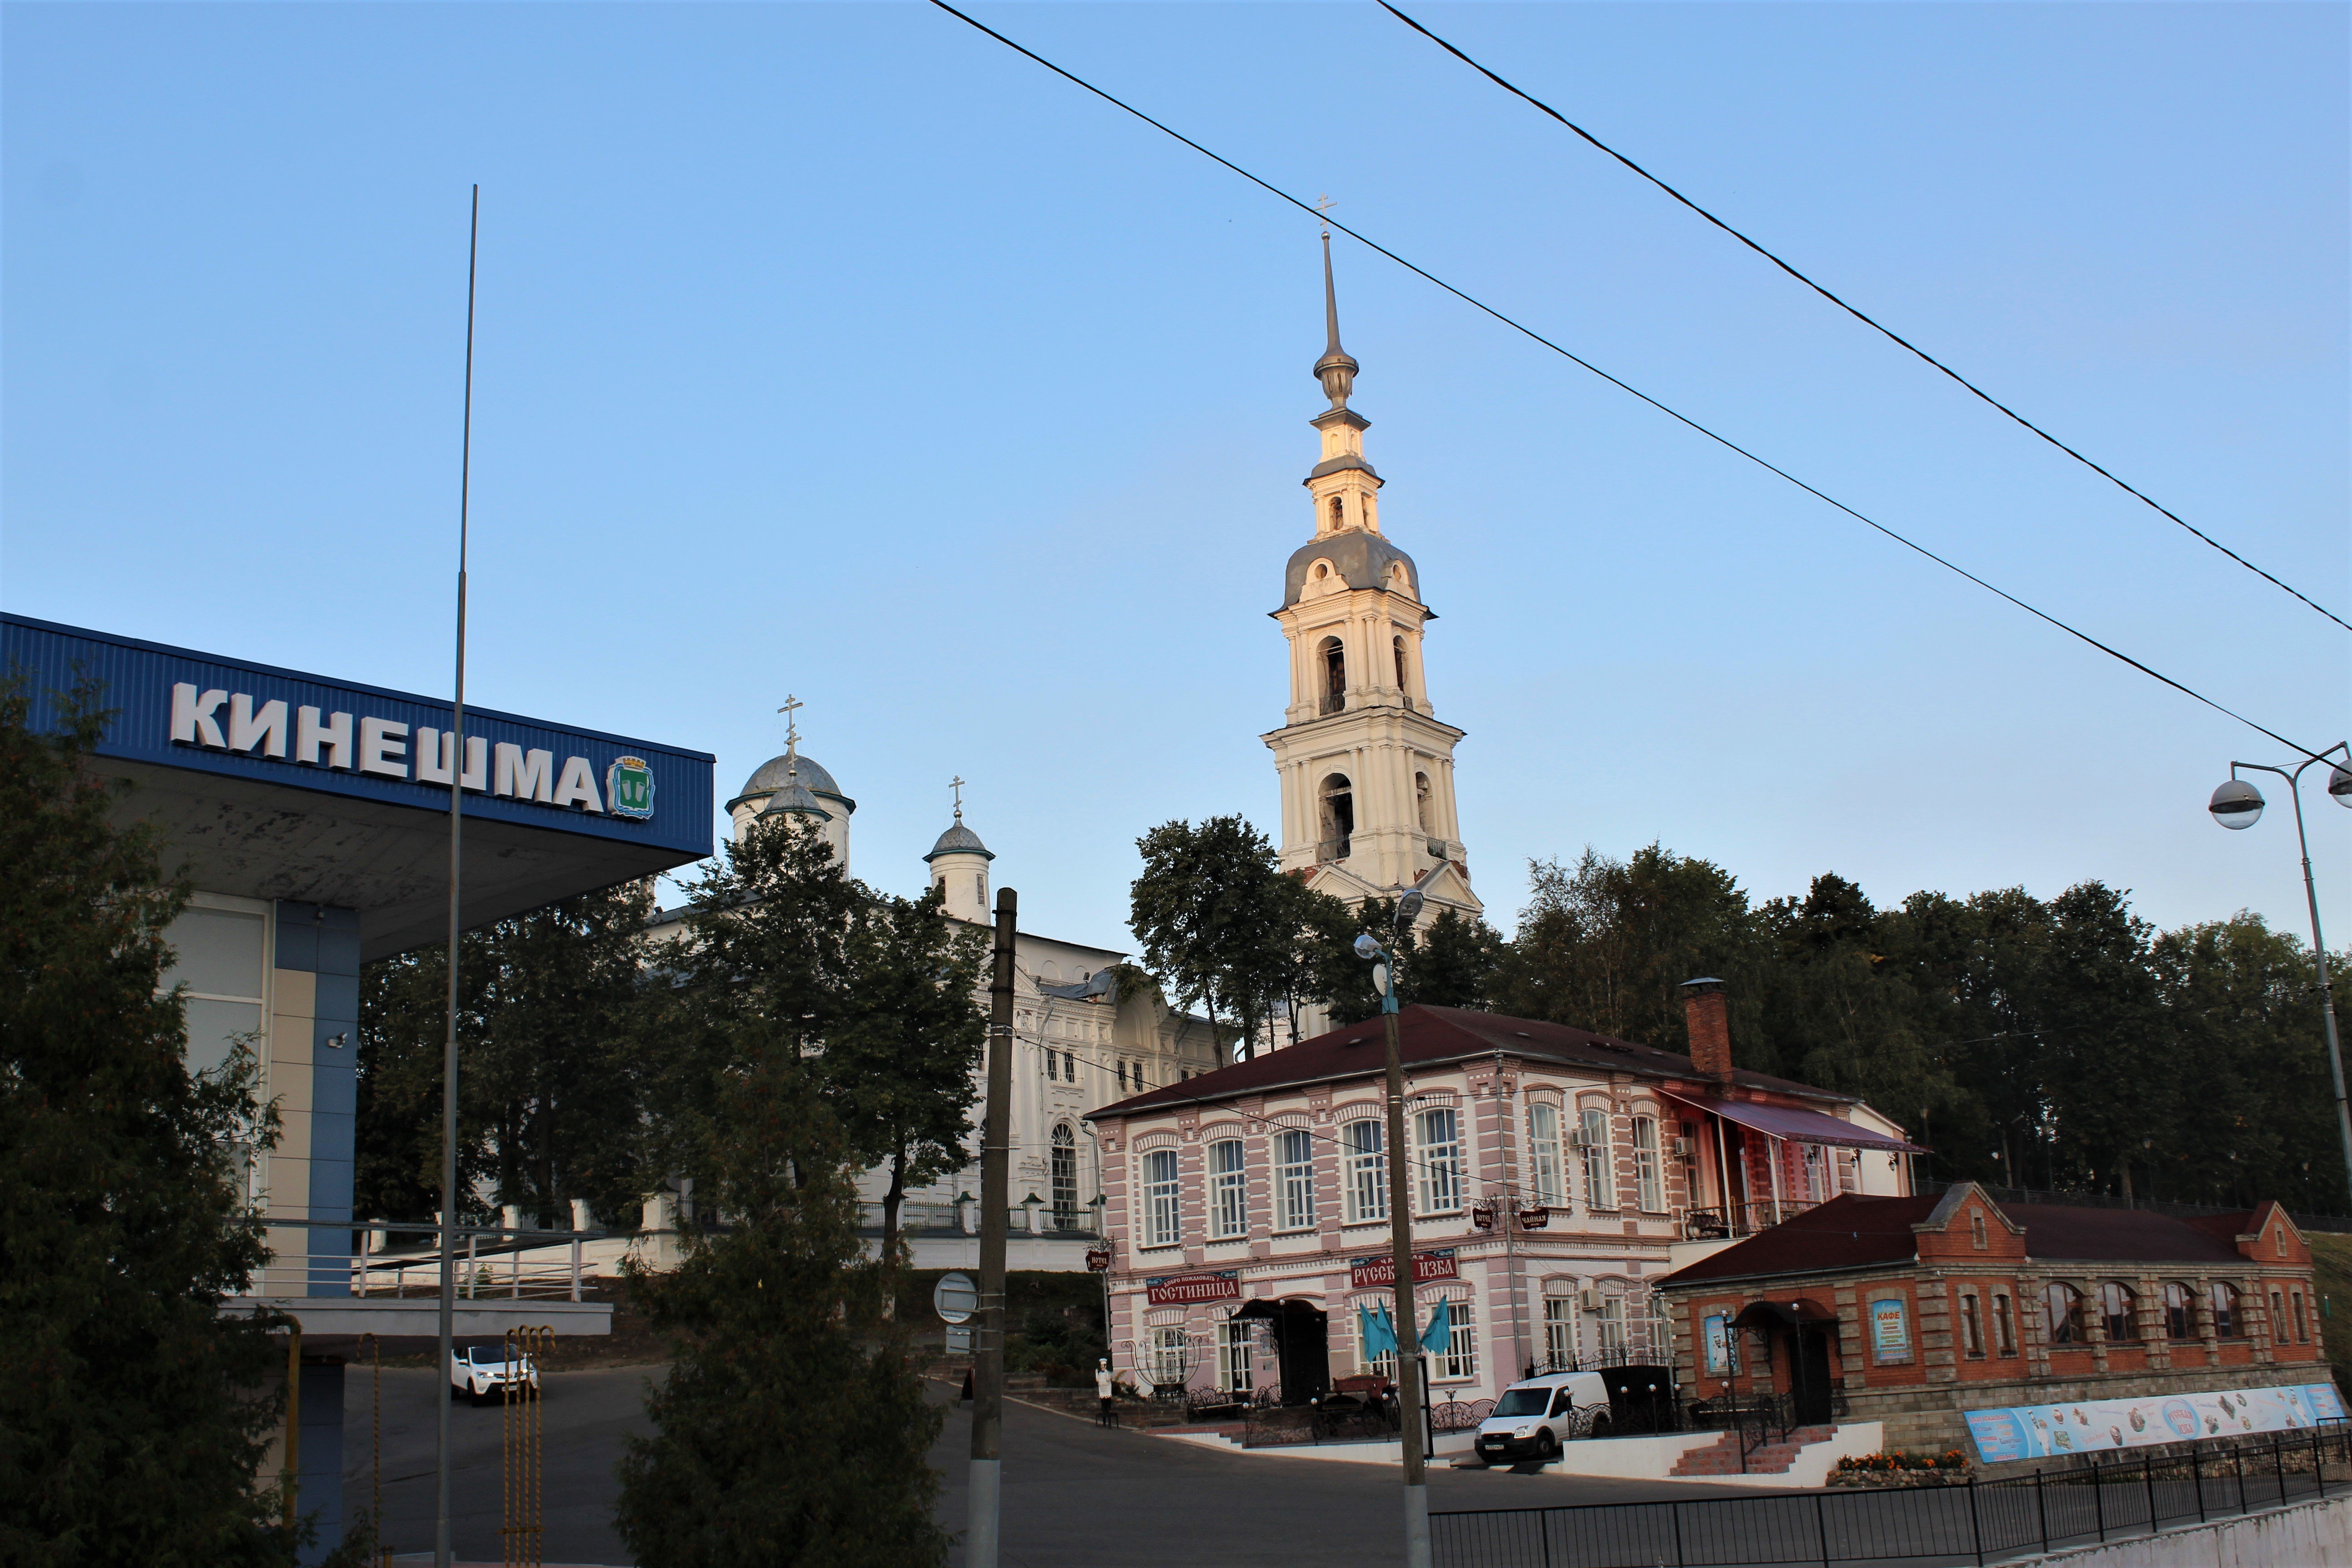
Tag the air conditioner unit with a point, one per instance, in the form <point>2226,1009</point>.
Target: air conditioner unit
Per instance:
<point>1577,1139</point>
<point>1589,1298</point>
<point>1685,1148</point>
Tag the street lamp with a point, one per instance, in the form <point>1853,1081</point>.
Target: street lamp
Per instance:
<point>2239,805</point>
<point>1416,1480</point>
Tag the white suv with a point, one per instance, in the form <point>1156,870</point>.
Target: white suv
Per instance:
<point>1534,1418</point>
<point>483,1372</point>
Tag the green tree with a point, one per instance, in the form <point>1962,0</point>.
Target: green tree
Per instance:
<point>1219,921</point>
<point>783,1435</point>
<point>551,1071</point>
<point>134,1417</point>
<point>897,1067</point>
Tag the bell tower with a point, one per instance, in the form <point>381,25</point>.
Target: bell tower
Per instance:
<point>1366,767</point>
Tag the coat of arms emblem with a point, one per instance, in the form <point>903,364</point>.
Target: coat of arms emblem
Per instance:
<point>629,788</point>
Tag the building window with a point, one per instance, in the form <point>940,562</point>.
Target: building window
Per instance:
<point>1065,1177</point>
<point>1338,513</point>
<point>2118,1311</point>
<point>1977,1230</point>
<point>2278,1240</point>
<point>221,956</point>
<point>1460,1356</point>
<point>2278,1319</point>
<point>1648,1187</point>
<point>2302,1325</point>
<point>1159,1204</point>
<point>1368,1173</point>
<point>1421,802</point>
<point>1235,1374</point>
<point>1816,1183</point>
<point>2004,1326</point>
<point>1398,643</point>
<point>1171,1365</point>
<point>2179,1322</point>
<point>2222,1304</point>
<point>1334,676</point>
<point>1611,1321</point>
<point>1069,1068</point>
<point>1971,1326</point>
<point>2064,1304</point>
<point>1122,1075</point>
<point>1228,1190</point>
<point>1599,1162</point>
<point>1139,1084</point>
<point>1559,1332</point>
<point>1339,817</point>
<point>1294,1179</point>
<point>1441,1161</point>
<point>1543,1153</point>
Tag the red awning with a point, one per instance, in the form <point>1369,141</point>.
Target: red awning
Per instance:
<point>1800,1126</point>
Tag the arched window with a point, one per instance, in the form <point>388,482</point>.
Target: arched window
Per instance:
<point>1421,800</point>
<point>1159,1203</point>
<point>1649,1188</point>
<point>1441,1161</point>
<point>1972,1339</point>
<point>1977,1230</point>
<point>1294,1179</point>
<point>1368,1173</point>
<point>2222,1303</point>
<point>1599,1161</point>
<point>1338,512</point>
<point>1335,675</point>
<point>1543,1153</point>
<point>1228,1189</point>
<point>2179,1320</point>
<point>1066,1175</point>
<point>1339,817</point>
<point>1402,684</point>
<point>2118,1305</point>
<point>2065,1305</point>
<point>2004,1328</point>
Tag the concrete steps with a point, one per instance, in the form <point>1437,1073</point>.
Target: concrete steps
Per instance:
<point>1721,1457</point>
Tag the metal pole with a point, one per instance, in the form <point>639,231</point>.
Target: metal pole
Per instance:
<point>456,862</point>
<point>293,1424</point>
<point>2327,991</point>
<point>984,1490</point>
<point>1409,1391</point>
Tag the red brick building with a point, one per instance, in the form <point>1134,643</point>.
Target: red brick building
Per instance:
<point>1910,1310</point>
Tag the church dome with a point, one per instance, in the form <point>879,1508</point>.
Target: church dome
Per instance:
<point>794,800</point>
<point>1362,561</point>
<point>770,776</point>
<point>960,840</point>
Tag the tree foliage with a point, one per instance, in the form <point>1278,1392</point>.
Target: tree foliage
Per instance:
<point>552,1069</point>
<point>133,1415</point>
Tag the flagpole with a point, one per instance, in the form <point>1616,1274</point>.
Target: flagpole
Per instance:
<point>456,862</point>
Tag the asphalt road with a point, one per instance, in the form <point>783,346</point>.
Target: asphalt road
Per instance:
<point>1076,1495</point>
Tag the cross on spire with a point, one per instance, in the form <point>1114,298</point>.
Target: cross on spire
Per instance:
<point>1324,205</point>
<point>957,784</point>
<point>792,732</point>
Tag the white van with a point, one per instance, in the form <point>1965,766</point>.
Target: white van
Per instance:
<point>1534,1418</point>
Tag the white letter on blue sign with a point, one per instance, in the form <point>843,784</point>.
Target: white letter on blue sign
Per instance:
<point>579,788</point>
<point>247,728</point>
<point>383,742</point>
<point>526,775</point>
<point>335,734</point>
<point>192,717</point>
<point>437,753</point>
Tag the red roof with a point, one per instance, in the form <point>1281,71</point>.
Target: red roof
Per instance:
<point>1429,1035</point>
<point>1852,1231</point>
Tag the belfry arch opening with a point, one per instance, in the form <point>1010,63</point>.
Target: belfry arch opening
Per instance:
<point>1335,675</point>
<point>1404,684</point>
<point>1338,512</point>
<point>1421,800</point>
<point>1339,817</point>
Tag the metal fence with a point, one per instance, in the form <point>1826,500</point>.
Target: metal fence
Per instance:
<point>1976,1521</point>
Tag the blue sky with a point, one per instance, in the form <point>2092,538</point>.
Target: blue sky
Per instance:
<point>836,351</point>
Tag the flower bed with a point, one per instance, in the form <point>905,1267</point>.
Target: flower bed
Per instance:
<point>1902,1469</point>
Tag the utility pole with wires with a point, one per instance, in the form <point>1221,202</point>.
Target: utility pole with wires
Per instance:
<point>456,853</point>
<point>984,1494</point>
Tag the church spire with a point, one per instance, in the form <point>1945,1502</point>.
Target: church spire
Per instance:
<point>1335,370</point>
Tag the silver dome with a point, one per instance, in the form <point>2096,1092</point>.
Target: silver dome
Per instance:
<point>960,840</point>
<point>770,776</point>
<point>794,800</point>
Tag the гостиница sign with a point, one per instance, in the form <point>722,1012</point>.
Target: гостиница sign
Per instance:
<point>1184,1289</point>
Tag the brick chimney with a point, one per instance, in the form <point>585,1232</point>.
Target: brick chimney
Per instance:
<point>1704,1010</point>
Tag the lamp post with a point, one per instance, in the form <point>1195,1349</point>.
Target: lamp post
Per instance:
<point>2239,805</point>
<point>1416,1479</point>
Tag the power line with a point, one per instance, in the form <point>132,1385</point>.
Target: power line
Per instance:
<point>1574,358</point>
<point>1866,321</point>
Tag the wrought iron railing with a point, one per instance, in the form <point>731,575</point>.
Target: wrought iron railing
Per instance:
<point>1730,1222</point>
<point>1973,1521</point>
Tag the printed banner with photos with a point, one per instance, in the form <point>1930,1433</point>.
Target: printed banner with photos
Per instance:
<point>2038,1431</point>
